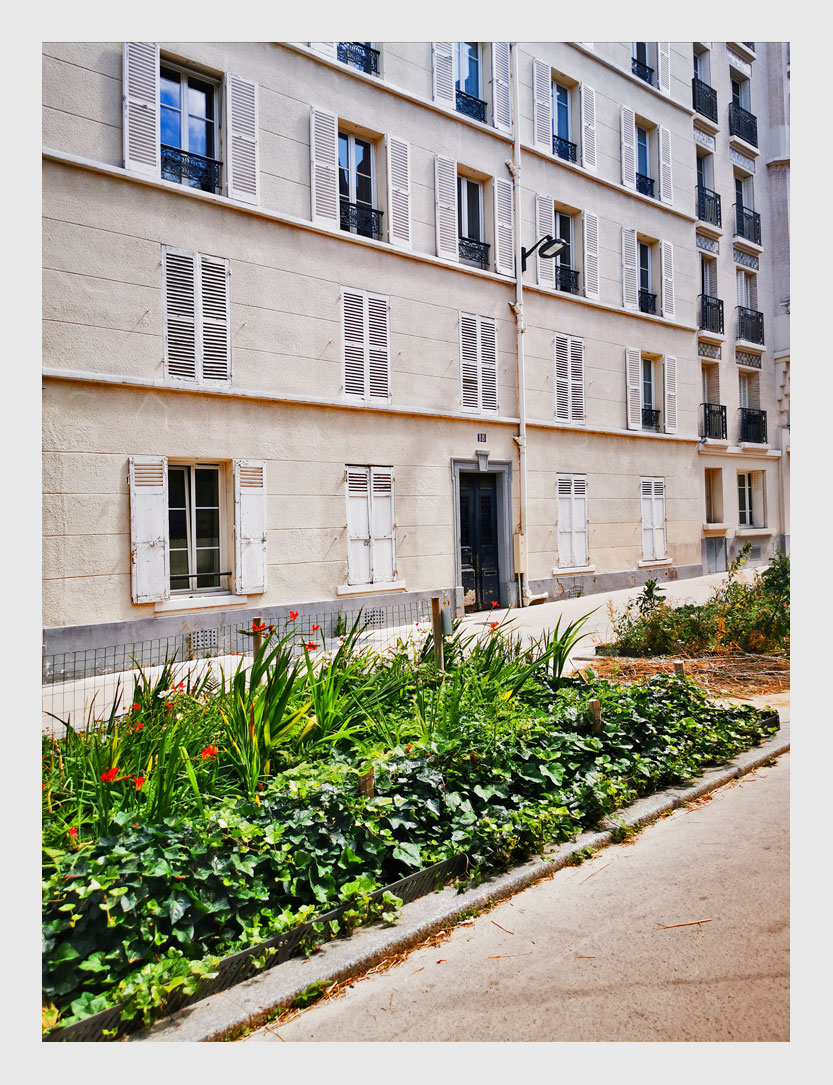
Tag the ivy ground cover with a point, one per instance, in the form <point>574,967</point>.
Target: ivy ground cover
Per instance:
<point>200,819</point>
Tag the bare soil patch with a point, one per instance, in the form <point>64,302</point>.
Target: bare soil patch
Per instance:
<point>738,674</point>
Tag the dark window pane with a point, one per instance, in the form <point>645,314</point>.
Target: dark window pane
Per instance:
<point>564,232</point>
<point>362,157</point>
<point>177,529</point>
<point>207,487</point>
<point>208,561</point>
<point>473,206</point>
<point>208,527</point>
<point>460,197</point>
<point>364,190</point>
<point>170,88</point>
<point>176,488</point>
<point>170,131</point>
<point>179,565</point>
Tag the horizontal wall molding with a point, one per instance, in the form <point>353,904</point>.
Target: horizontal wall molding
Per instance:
<point>637,82</point>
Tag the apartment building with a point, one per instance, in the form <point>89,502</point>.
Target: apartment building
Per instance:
<point>304,347</point>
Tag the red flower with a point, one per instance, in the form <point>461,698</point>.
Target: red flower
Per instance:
<point>139,726</point>
<point>168,704</point>
<point>315,628</point>
<point>136,706</point>
<point>43,787</point>
<point>110,775</point>
<point>311,646</point>
<point>293,614</point>
<point>73,832</point>
<point>258,628</point>
<point>209,751</point>
<point>139,781</point>
<point>494,604</point>
<point>494,625</point>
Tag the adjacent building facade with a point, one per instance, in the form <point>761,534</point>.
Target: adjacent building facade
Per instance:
<point>304,349</point>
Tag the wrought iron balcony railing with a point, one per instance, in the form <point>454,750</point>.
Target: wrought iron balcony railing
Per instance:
<point>752,426</point>
<point>711,314</point>
<point>708,206</point>
<point>471,106</point>
<point>704,99</point>
<point>747,224</point>
<point>564,149</point>
<point>750,325</point>
<point>650,418</point>
<point>366,221</point>
<point>713,421</point>
<point>642,70</point>
<point>358,55</point>
<point>743,123</point>
<point>193,170</point>
<point>566,279</point>
<point>647,302</point>
<point>644,184</point>
<point>474,252</point>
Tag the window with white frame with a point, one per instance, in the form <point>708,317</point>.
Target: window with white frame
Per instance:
<point>371,557</point>
<point>652,496</point>
<point>357,186</point>
<point>751,499</point>
<point>189,116</point>
<point>646,156</point>
<point>572,521</point>
<point>470,223</point>
<point>197,343</point>
<point>569,378</point>
<point>194,536</point>
<point>461,70</point>
<point>651,391</point>
<point>478,363</point>
<point>365,342</point>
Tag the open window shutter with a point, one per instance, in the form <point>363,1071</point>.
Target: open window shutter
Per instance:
<point>666,187</point>
<point>140,107</point>
<point>445,203</point>
<point>504,227</point>
<point>590,224</point>
<point>630,293</point>
<point>627,123</point>
<point>670,367</point>
<point>562,377</point>
<point>469,368</point>
<point>565,521</point>
<point>545,224</point>
<point>542,105</point>
<point>647,504</point>
<point>580,554</point>
<point>181,332</point>
<point>325,48</point>
<point>216,348</point>
<point>501,98</point>
<point>353,316</point>
<point>149,557</point>
<point>753,292</point>
<point>666,252</point>
<point>358,525</point>
<point>758,518</point>
<point>443,73</point>
<point>659,517</point>
<point>378,350</point>
<point>633,357</point>
<point>399,192</point>
<point>664,66</point>
<point>249,526</point>
<point>241,110</point>
<point>488,363</point>
<point>324,167</point>
<point>587,98</point>
<point>576,379</point>
<point>743,297</point>
<point>381,510</point>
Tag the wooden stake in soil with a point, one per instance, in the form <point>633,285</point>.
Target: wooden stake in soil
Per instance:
<point>437,622</point>
<point>679,668</point>
<point>596,712</point>
<point>366,784</point>
<point>257,639</point>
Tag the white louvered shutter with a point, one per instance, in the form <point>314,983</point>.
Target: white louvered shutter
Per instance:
<point>758,517</point>
<point>378,348</point>
<point>576,379</point>
<point>501,97</point>
<point>666,187</point>
<point>355,339</point>
<point>542,105</point>
<point>565,522</point>
<point>383,561</point>
<point>149,557</point>
<point>630,280</point>
<point>545,224</point>
<point>469,363</point>
<point>670,369</point>
<point>358,525</point>
<point>216,347</point>
<point>743,293</point>
<point>445,204</point>
<point>140,107</point>
<point>587,98</point>
<point>504,227</point>
<point>324,167</point>
<point>562,377</point>
<point>580,549</point>
<point>242,139</point>
<point>399,192</point>
<point>664,66</point>
<point>181,333</point>
<point>325,48</point>
<point>249,526</point>
<point>633,359</point>
<point>666,252</point>
<point>647,511</point>
<point>443,73</point>
<point>590,223</point>
<point>488,363</point>
<point>627,123</point>
<point>659,517</point>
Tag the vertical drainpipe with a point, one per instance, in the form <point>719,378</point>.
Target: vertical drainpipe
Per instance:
<point>518,309</point>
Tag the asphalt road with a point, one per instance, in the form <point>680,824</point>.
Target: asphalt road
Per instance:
<point>680,934</point>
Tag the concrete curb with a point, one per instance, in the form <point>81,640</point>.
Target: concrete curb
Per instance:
<point>253,1002</point>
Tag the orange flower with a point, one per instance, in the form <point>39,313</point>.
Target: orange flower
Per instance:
<point>110,775</point>
<point>494,625</point>
<point>494,604</point>
<point>139,781</point>
<point>136,706</point>
<point>311,646</point>
<point>139,726</point>
<point>73,832</point>
<point>293,614</point>
<point>315,628</point>
<point>208,752</point>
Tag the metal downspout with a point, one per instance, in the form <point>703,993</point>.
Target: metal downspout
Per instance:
<point>517,308</point>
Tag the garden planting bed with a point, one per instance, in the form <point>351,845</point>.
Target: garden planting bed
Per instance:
<point>738,674</point>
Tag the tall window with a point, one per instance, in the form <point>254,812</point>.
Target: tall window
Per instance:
<point>740,91</point>
<point>560,111</point>
<point>652,492</point>
<point>564,232</point>
<point>751,499</point>
<point>194,527</point>
<point>467,67</point>
<point>356,186</point>
<point>469,208</point>
<point>648,392</point>
<point>643,159</point>
<point>189,129</point>
<point>370,525</point>
<point>644,266</point>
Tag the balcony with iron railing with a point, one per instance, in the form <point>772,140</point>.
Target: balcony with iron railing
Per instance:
<point>358,55</point>
<point>647,302</point>
<point>747,224</point>
<point>708,206</point>
<point>566,279</point>
<point>650,419</point>
<point>742,123</point>
<point>470,106</point>
<point>750,325</point>
<point>704,99</point>
<point>474,252</point>
<point>642,70</point>
<point>564,149</point>
<point>713,421</point>
<point>360,219</point>
<point>644,184</point>
<point>752,429</point>
<point>711,314</point>
<point>193,170</point>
